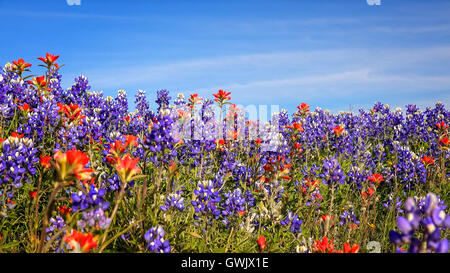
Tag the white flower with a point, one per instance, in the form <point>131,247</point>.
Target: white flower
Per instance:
<point>8,67</point>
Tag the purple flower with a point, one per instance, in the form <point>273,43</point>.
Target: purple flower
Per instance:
<point>155,240</point>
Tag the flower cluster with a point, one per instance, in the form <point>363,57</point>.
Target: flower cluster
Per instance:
<point>430,219</point>
<point>155,240</point>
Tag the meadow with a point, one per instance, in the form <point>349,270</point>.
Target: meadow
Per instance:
<point>79,172</point>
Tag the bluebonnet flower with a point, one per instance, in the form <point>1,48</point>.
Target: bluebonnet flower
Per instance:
<point>390,203</point>
<point>155,240</point>
<point>174,200</point>
<point>206,199</point>
<point>234,203</point>
<point>332,172</point>
<point>294,221</point>
<point>94,218</point>
<point>431,218</point>
<point>94,198</point>
<point>163,99</point>
<point>18,159</point>
<point>56,224</point>
<point>142,106</point>
<point>348,217</point>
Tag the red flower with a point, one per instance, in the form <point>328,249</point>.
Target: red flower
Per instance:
<point>326,217</point>
<point>126,168</point>
<point>222,97</point>
<point>262,243</point>
<point>20,65</point>
<point>24,107</point>
<point>370,192</point>
<point>376,178</point>
<point>49,59</point>
<point>303,109</point>
<point>427,160</point>
<point>353,249</point>
<point>45,161</point>
<point>193,100</point>
<point>117,148</point>
<point>258,142</point>
<point>80,242</point>
<point>127,120</point>
<point>131,140</point>
<point>296,126</point>
<point>14,134</point>
<point>33,194</point>
<point>221,141</point>
<point>441,125</point>
<point>338,130</point>
<point>232,134</point>
<point>445,141</point>
<point>324,246</point>
<point>64,210</point>
<point>39,82</point>
<point>72,111</point>
<point>72,164</point>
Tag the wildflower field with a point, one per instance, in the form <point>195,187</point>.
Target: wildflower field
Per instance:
<point>79,172</point>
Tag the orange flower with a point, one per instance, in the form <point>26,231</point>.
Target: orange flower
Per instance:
<point>33,194</point>
<point>232,134</point>
<point>445,141</point>
<point>39,82</point>
<point>49,59</point>
<point>376,178</point>
<point>193,100</point>
<point>64,210</point>
<point>262,243</point>
<point>441,125</point>
<point>369,192</point>
<point>326,218</point>
<point>72,111</point>
<point>222,97</point>
<point>324,246</point>
<point>25,107</point>
<point>126,168</point>
<point>45,161</point>
<point>131,140</point>
<point>16,135</point>
<point>303,109</point>
<point>353,249</point>
<point>258,142</point>
<point>72,164</point>
<point>427,160</point>
<point>296,126</point>
<point>338,130</point>
<point>21,65</point>
<point>80,242</point>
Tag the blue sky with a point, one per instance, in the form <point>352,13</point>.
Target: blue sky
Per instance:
<point>330,54</point>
